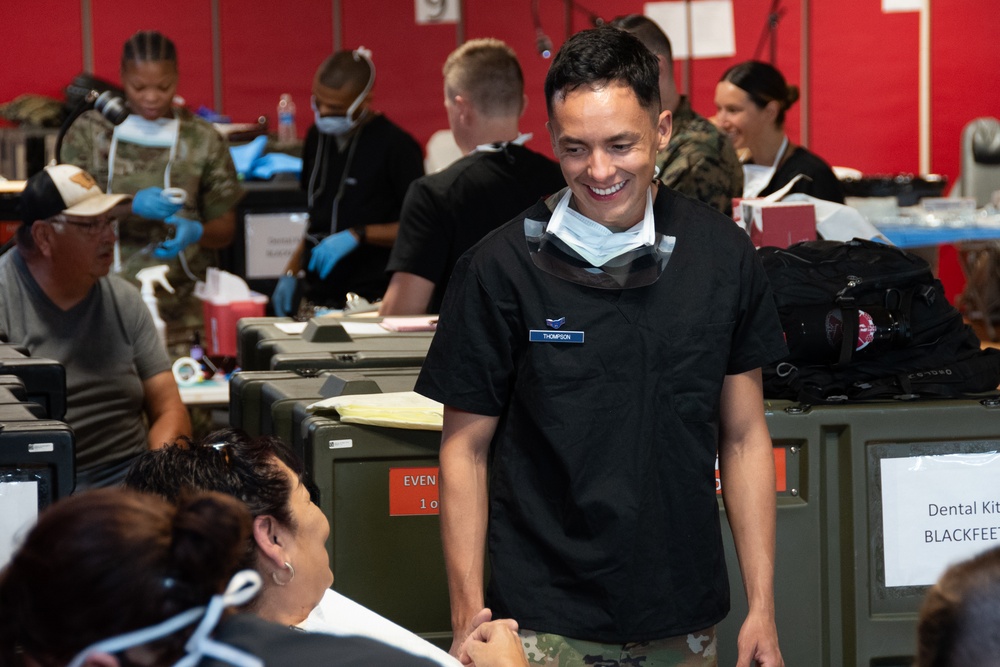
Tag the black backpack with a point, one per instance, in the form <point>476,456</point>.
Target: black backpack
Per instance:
<point>866,320</point>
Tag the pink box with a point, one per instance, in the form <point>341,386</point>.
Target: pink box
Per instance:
<point>779,224</point>
<point>221,319</point>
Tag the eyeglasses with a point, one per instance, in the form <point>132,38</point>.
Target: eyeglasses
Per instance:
<point>92,229</point>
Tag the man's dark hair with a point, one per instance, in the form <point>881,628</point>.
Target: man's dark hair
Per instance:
<point>344,68</point>
<point>601,56</point>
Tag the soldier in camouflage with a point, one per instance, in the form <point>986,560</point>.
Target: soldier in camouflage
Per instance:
<point>699,161</point>
<point>198,163</point>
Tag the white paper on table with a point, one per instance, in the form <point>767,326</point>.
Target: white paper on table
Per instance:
<point>293,328</point>
<point>364,328</point>
<point>18,512</point>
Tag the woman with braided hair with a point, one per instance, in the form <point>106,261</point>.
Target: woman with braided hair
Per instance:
<point>180,171</point>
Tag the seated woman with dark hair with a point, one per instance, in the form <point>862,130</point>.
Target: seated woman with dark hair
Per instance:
<point>113,577</point>
<point>289,532</point>
<point>751,100</point>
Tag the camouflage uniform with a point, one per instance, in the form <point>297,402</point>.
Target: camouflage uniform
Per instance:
<point>697,649</point>
<point>700,161</point>
<point>203,167</point>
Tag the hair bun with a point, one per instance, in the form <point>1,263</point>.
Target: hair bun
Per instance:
<point>210,533</point>
<point>793,95</point>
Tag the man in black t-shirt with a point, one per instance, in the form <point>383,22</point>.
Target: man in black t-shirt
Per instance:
<point>594,356</point>
<point>446,213</point>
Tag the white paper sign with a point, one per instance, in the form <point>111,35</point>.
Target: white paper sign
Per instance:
<point>712,26</point>
<point>18,512</point>
<point>902,5</point>
<point>936,511</point>
<point>436,11</point>
<point>271,238</point>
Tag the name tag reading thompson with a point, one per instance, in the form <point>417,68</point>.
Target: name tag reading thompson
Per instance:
<point>548,336</point>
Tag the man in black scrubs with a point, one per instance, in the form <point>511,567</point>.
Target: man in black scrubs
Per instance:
<point>595,356</point>
<point>446,213</point>
<point>356,167</point>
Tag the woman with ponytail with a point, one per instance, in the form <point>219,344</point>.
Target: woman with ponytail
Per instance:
<point>751,100</point>
<point>112,578</point>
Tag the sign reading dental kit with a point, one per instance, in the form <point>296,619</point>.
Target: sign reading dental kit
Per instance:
<point>937,510</point>
<point>271,238</point>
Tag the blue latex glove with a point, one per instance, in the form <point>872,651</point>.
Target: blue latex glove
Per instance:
<point>244,156</point>
<point>331,250</point>
<point>186,232</point>
<point>268,165</point>
<point>150,203</point>
<point>284,293</point>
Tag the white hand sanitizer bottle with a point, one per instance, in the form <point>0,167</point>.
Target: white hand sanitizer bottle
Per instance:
<point>149,278</point>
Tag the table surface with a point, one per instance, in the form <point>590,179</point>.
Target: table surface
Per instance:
<point>209,392</point>
<point>912,236</point>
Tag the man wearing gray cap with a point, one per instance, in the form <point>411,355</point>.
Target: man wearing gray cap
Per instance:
<point>60,303</point>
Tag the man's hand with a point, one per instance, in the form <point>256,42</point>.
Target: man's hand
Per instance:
<point>458,640</point>
<point>492,643</point>
<point>283,296</point>
<point>758,641</point>
<point>331,250</point>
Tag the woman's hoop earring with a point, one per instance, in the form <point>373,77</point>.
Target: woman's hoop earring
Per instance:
<point>291,570</point>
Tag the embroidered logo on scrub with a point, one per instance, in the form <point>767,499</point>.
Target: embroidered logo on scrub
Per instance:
<point>556,336</point>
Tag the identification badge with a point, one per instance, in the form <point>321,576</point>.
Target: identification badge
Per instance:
<point>547,336</point>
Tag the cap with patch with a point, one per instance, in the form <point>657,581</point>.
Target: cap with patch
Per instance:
<point>65,188</point>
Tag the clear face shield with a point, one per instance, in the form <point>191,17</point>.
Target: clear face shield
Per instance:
<point>637,267</point>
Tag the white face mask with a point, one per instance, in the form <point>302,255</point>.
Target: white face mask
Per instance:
<point>756,176</point>
<point>594,242</point>
<point>159,133</point>
<point>241,589</point>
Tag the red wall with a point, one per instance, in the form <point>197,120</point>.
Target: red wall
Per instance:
<point>863,63</point>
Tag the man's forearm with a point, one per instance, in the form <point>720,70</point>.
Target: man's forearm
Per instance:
<point>463,533</point>
<point>747,478</point>
<point>746,472</point>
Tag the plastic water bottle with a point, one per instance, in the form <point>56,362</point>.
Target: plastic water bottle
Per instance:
<point>286,120</point>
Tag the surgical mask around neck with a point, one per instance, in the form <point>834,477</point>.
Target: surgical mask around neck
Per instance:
<point>594,242</point>
<point>241,589</point>
<point>757,176</point>
<point>159,133</point>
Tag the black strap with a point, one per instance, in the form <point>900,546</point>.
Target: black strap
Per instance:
<point>849,317</point>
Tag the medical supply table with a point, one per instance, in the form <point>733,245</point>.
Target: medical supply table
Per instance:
<point>916,236</point>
